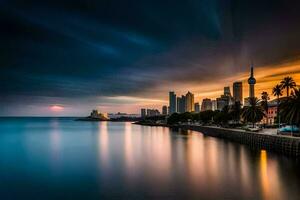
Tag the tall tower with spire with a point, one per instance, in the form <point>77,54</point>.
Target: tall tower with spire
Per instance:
<point>251,82</point>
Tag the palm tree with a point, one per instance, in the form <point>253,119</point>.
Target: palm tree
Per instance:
<point>277,91</point>
<point>265,98</point>
<point>264,103</point>
<point>288,83</point>
<point>254,112</point>
<point>290,108</point>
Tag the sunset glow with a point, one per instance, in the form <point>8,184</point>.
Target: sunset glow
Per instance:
<point>56,108</point>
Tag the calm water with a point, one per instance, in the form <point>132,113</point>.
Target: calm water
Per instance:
<point>50,158</point>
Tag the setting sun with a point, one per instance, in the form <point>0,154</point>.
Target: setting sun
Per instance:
<point>56,108</point>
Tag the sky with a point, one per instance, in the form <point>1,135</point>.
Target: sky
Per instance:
<point>66,57</point>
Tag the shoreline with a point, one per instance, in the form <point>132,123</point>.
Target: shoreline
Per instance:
<point>285,145</point>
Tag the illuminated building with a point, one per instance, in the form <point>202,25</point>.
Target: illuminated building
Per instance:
<point>227,92</point>
<point>189,102</point>
<point>206,104</point>
<point>214,105</point>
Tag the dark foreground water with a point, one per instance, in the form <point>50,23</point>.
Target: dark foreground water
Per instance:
<point>50,158</point>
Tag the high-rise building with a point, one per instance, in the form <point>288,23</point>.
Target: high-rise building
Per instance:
<point>206,105</point>
<point>181,101</point>
<point>251,82</point>
<point>238,92</point>
<point>227,92</point>
<point>178,101</point>
<point>222,102</point>
<point>143,112</point>
<point>197,107</point>
<point>172,102</point>
<point>164,110</point>
<point>152,112</point>
<point>214,105</point>
<point>189,102</point>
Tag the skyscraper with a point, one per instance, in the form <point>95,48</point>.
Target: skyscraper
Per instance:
<point>238,92</point>
<point>222,102</point>
<point>189,102</point>
<point>178,102</point>
<point>143,112</point>
<point>164,110</point>
<point>227,92</point>
<point>181,101</point>
<point>206,105</point>
<point>251,82</point>
<point>172,102</point>
<point>214,105</point>
<point>182,107</point>
<point>197,107</point>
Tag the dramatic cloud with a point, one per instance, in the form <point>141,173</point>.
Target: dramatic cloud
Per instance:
<point>122,55</point>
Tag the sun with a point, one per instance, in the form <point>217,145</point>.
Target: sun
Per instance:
<point>56,108</point>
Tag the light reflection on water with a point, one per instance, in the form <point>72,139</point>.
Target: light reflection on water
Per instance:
<point>69,159</point>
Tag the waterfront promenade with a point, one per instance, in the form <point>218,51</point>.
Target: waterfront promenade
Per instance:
<point>286,145</point>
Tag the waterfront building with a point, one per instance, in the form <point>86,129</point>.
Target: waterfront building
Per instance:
<point>152,112</point>
<point>165,110</point>
<point>95,114</point>
<point>178,101</point>
<point>181,101</point>
<point>238,92</point>
<point>227,92</point>
<point>197,107</point>
<point>214,105</point>
<point>143,112</point>
<point>271,115</point>
<point>206,104</point>
<point>189,102</point>
<point>172,102</point>
<point>222,102</point>
<point>251,82</point>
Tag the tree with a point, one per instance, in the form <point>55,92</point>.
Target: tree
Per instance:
<point>222,117</point>
<point>173,119</point>
<point>206,116</point>
<point>288,83</point>
<point>277,91</point>
<point>265,98</point>
<point>290,108</point>
<point>254,112</point>
<point>235,111</point>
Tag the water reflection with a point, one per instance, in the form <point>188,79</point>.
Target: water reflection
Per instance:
<point>55,142</point>
<point>124,161</point>
<point>103,140</point>
<point>270,185</point>
<point>128,149</point>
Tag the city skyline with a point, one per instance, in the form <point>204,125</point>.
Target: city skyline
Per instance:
<point>62,59</point>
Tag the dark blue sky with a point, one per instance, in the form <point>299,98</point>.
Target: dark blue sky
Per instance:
<point>120,55</point>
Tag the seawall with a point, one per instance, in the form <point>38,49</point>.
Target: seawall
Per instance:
<point>289,146</point>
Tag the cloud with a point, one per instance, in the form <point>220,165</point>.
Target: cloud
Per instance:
<point>118,53</point>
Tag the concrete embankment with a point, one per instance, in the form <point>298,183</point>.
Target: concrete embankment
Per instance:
<point>281,144</point>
